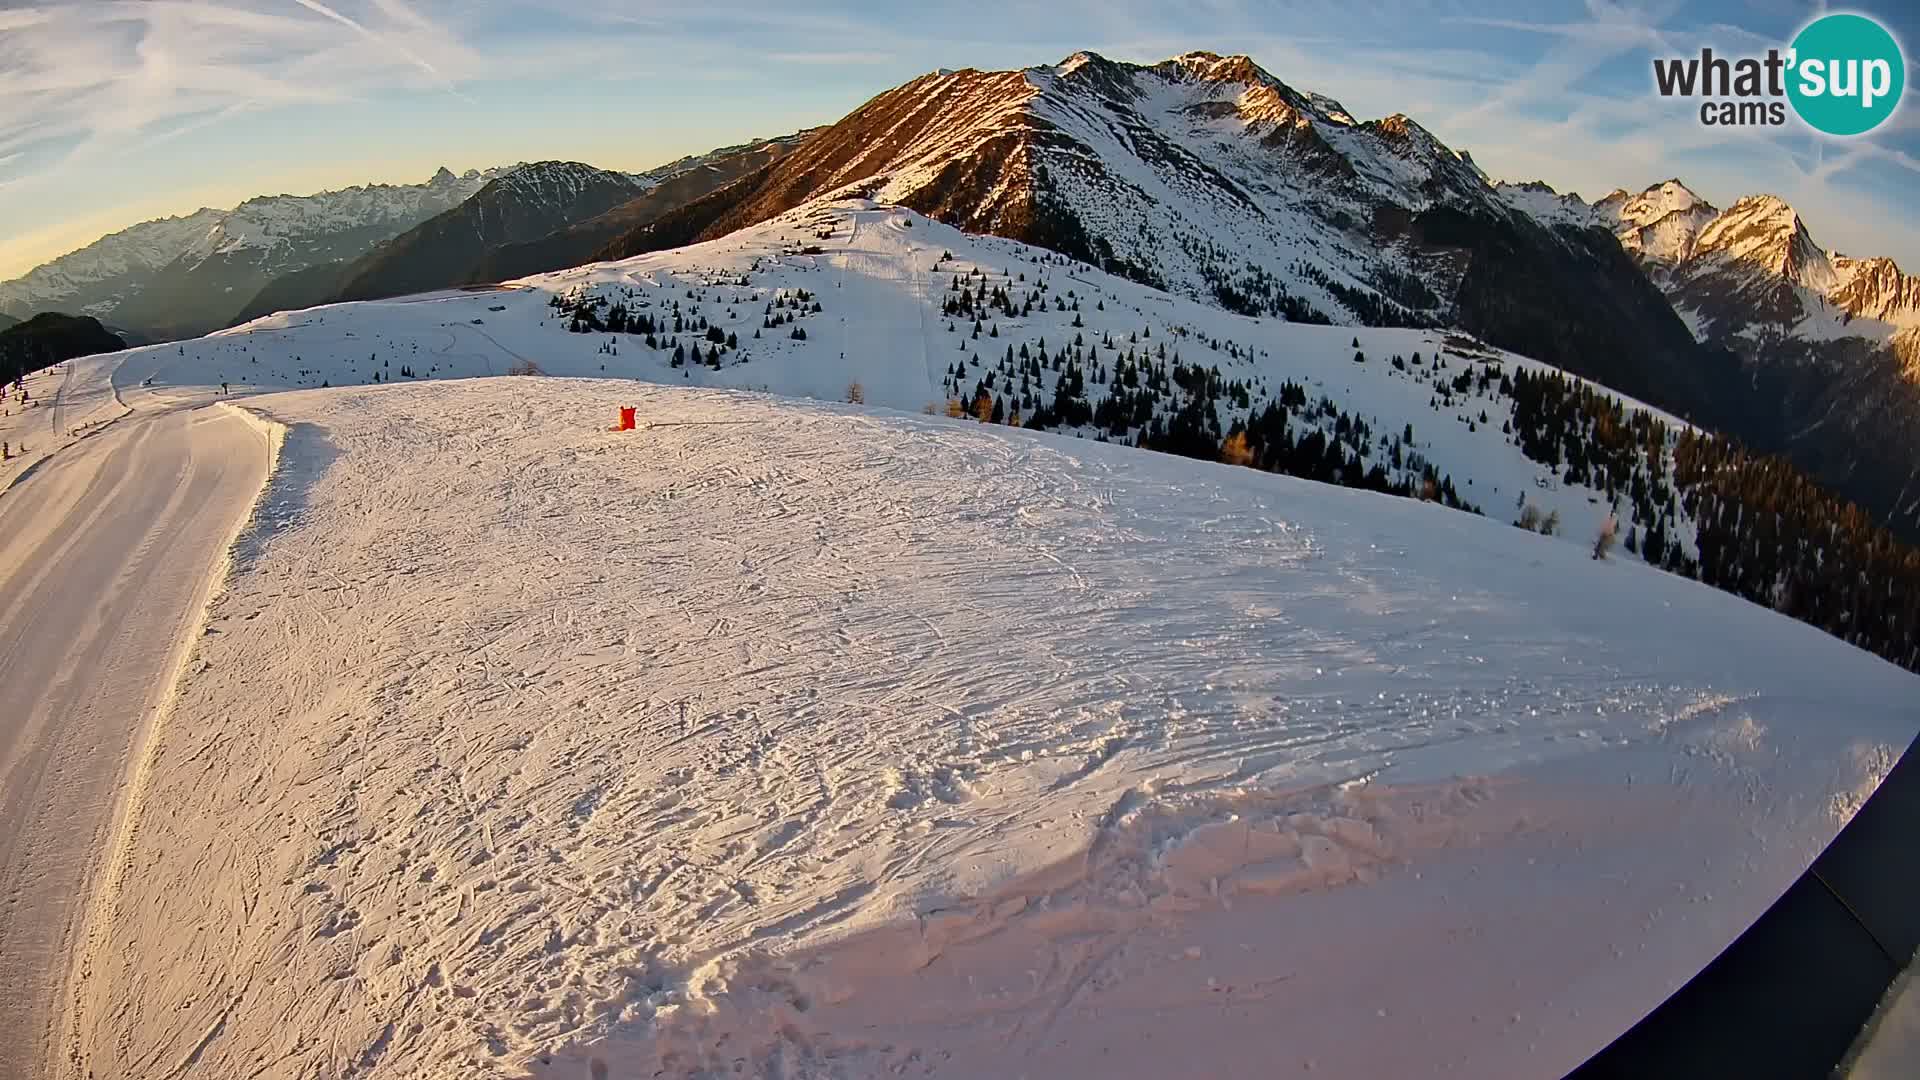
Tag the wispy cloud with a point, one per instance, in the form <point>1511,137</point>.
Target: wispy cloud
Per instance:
<point>397,11</point>
<point>835,59</point>
<point>81,80</point>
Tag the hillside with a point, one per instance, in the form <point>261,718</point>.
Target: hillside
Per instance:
<point>528,202</point>
<point>50,338</point>
<point>922,316</point>
<point>799,739</point>
<point>674,185</point>
<point>1210,177</point>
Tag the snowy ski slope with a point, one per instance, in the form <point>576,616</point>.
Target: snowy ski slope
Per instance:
<point>801,739</point>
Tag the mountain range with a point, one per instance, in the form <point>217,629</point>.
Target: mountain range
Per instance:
<point>1829,344</point>
<point>533,218</point>
<point>1204,176</point>
<point>186,275</point>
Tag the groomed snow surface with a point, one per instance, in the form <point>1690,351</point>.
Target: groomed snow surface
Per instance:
<point>781,738</point>
<point>63,404</point>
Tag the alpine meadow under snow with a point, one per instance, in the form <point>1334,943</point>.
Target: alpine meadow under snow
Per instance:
<point>807,738</point>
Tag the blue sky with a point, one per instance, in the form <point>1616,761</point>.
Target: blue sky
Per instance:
<point>113,111</point>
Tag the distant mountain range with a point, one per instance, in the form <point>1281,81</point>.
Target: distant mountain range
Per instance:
<point>187,275</point>
<point>184,276</point>
<point>1202,175</point>
<point>521,204</point>
<point>533,218</point>
<point>1829,344</point>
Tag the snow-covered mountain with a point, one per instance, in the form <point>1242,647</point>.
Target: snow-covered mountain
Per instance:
<point>1661,223</point>
<point>1752,271</point>
<point>525,203</point>
<point>189,274</point>
<point>1173,174</point>
<point>96,278</point>
<point>1210,177</point>
<point>1831,343</point>
<point>538,217</point>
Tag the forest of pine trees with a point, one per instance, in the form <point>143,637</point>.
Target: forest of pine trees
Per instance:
<point>588,312</point>
<point>23,357</point>
<point>1763,530</point>
<point>1154,399</point>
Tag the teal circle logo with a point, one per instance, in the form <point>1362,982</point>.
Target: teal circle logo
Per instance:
<point>1846,74</point>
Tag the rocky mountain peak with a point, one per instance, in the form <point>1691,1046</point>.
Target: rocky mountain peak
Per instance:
<point>1763,231</point>
<point>1212,67</point>
<point>1878,289</point>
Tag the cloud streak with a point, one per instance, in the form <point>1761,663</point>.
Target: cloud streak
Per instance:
<point>78,81</point>
<point>392,9</point>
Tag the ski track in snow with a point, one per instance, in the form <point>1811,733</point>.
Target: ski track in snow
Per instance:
<point>788,739</point>
<point>65,403</point>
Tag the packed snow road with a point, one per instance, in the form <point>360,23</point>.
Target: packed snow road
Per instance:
<point>107,552</point>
